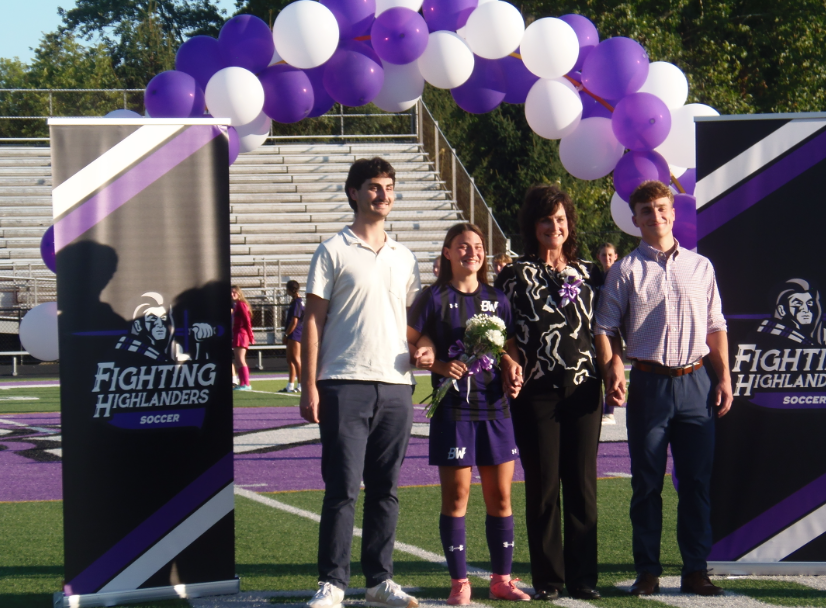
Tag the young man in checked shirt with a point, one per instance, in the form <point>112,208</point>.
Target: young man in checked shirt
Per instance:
<point>666,300</point>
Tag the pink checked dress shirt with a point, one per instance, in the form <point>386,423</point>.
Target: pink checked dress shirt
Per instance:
<point>665,304</point>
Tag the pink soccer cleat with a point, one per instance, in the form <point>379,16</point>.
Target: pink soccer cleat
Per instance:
<point>459,592</point>
<point>503,587</point>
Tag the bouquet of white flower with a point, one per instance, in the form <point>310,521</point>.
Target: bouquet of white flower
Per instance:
<point>481,349</point>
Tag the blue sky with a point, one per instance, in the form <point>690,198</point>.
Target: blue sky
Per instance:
<point>25,21</point>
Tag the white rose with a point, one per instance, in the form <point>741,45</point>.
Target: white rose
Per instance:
<point>494,336</point>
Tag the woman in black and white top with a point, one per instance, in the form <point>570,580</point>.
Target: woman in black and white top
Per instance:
<point>557,415</point>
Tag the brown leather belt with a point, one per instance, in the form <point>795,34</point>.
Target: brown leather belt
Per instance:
<point>674,372</point>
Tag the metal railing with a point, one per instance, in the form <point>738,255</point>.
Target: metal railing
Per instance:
<point>457,178</point>
<point>23,287</point>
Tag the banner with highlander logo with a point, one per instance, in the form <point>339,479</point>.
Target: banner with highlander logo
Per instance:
<point>760,220</point>
<point>141,216</point>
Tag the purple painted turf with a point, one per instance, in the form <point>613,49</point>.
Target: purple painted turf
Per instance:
<point>296,468</point>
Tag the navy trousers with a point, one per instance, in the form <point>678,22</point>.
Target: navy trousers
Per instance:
<point>663,410</point>
<point>365,428</point>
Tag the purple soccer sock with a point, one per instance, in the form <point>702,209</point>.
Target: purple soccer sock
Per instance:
<point>452,531</point>
<point>499,531</point>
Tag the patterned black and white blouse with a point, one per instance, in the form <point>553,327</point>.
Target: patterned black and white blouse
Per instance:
<point>556,342</point>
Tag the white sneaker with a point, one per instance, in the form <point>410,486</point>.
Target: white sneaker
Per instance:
<point>327,596</point>
<point>608,419</point>
<point>388,594</point>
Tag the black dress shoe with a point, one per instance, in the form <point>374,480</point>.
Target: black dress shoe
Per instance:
<point>646,584</point>
<point>546,595</point>
<point>698,583</point>
<point>584,593</point>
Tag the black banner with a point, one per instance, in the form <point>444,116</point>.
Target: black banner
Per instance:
<point>760,221</point>
<point>142,239</point>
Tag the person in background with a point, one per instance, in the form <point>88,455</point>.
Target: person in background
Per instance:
<point>472,424</point>
<point>242,337</point>
<point>666,301</point>
<point>500,260</point>
<point>292,337</point>
<point>607,255</point>
<point>556,417</point>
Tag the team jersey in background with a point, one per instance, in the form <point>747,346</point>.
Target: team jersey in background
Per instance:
<point>440,312</point>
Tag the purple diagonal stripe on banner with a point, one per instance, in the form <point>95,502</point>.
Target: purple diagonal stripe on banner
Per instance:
<point>770,522</point>
<point>133,182</point>
<point>134,544</point>
<point>761,185</point>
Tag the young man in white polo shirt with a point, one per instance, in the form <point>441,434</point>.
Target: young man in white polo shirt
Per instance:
<point>357,385</point>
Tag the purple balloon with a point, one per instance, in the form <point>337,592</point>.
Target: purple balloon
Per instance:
<point>354,16</point>
<point>322,102</point>
<point>641,121</point>
<point>484,90</point>
<point>586,33</point>
<point>234,144</point>
<point>47,251</point>
<point>200,57</point>
<point>615,68</point>
<point>685,233</point>
<point>591,107</point>
<point>447,14</point>
<point>399,35</point>
<point>353,76</point>
<point>288,93</point>
<point>518,79</point>
<point>688,181</point>
<point>685,224</point>
<point>173,94</point>
<point>246,42</point>
<point>636,167</point>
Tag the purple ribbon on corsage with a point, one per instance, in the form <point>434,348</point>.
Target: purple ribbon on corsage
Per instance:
<point>456,350</point>
<point>569,292</point>
<point>482,363</point>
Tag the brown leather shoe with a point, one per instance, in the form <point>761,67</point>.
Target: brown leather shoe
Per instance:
<point>646,584</point>
<point>698,583</point>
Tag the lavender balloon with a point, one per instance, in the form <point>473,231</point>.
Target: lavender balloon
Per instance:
<point>234,144</point>
<point>322,102</point>
<point>200,57</point>
<point>586,33</point>
<point>615,68</point>
<point>354,17</point>
<point>447,14</point>
<point>47,251</point>
<point>518,79</point>
<point>636,167</point>
<point>353,76</point>
<point>641,121</point>
<point>685,224</point>
<point>246,42</point>
<point>288,93</point>
<point>484,90</point>
<point>174,94</point>
<point>399,35</point>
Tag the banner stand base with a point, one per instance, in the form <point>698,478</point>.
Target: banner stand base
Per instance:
<point>768,568</point>
<point>116,598</point>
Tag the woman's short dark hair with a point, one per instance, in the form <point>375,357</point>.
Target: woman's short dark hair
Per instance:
<point>445,269</point>
<point>542,201</point>
<point>364,169</point>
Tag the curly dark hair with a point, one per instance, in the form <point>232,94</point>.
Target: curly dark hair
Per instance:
<point>542,201</point>
<point>364,169</point>
<point>649,191</point>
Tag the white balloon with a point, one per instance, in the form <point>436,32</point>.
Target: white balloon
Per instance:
<point>447,62</point>
<point>38,332</point>
<point>276,58</point>
<point>622,215</point>
<point>592,150</point>
<point>253,134</point>
<point>549,48</point>
<point>666,81</point>
<point>402,88</point>
<point>383,5</point>
<point>677,170</point>
<point>305,34</point>
<point>123,113</point>
<point>234,93</point>
<point>494,30</point>
<point>679,148</point>
<point>553,108</point>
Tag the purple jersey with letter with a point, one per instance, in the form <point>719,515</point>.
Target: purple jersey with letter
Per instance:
<point>440,312</point>
<point>296,310</point>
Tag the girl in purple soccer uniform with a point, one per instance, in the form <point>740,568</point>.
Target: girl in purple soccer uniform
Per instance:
<point>472,425</point>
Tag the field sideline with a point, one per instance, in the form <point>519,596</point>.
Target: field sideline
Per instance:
<point>275,549</point>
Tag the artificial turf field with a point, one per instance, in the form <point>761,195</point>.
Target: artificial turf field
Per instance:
<point>275,549</point>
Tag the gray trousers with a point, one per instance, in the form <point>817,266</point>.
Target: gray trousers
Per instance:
<point>365,428</point>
